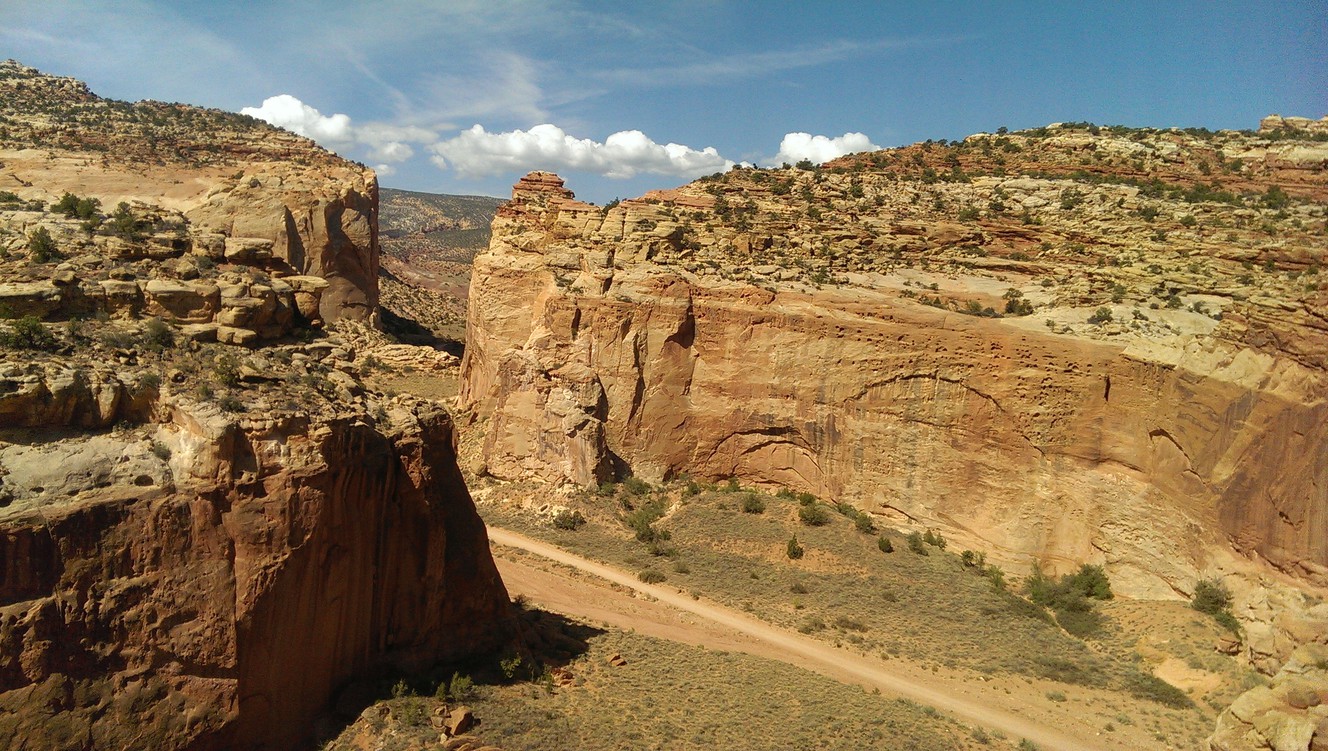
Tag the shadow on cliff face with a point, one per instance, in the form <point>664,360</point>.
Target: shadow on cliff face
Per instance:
<point>543,642</point>
<point>409,331</point>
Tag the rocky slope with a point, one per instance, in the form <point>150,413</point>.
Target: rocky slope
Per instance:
<point>1062,345</point>
<point>201,544</point>
<point>428,242</point>
<point>226,186</point>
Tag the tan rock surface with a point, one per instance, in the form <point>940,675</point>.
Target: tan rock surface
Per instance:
<point>1287,715</point>
<point>248,193</point>
<point>1161,444</point>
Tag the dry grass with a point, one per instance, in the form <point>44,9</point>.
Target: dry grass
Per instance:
<point>929,609</point>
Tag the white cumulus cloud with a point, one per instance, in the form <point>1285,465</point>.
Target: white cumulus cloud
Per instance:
<point>625,154</point>
<point>820,149</point>
<point>285,111</point>
<point>382,142</point>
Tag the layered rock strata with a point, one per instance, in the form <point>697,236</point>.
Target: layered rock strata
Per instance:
<point>204,183</point>
<point>839,330</point>
<point>208,581</point>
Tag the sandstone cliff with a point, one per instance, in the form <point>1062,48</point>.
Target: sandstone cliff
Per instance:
<point>200,544</point>
<point>208,581</point>
<point>228,186</point>
<point>1151,399</point>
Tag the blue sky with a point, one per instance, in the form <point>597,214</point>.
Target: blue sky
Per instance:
<point>465,96</point>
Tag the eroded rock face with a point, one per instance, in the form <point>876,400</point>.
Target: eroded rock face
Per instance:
<point>600,344</point>
<point>210,581</point>
<point>1289,714</point>
<point>210,183</point>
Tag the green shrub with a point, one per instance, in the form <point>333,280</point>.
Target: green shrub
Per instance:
<point>863,523</point>
<point>813,515</point>
<point>651,576</point>
<point>28,333</point>
<point>157,335</point>
<point>636,486</point>
<point>1227,621</point>
<point>41,246</point>
<point>884,545</point>
<point>1092,582</point>
<point>569,520</point>
<point>1210,596</point>
<point>793,549</point>
<point>811,625</point>
<point>1152,688</point>
<point>1100,316</point>
<point>227,369</point>
<point>934,539</point>
<point>752,504</point>
<point>1085,624</point>
<point>849,624</point>
<point>229,403</point>
<point>915,543</point>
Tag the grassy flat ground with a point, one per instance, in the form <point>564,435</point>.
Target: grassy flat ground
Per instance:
<point>927,609</point>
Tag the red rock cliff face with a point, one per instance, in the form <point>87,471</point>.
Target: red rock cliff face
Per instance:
<point>222,608</point>
<point>1155,457</point>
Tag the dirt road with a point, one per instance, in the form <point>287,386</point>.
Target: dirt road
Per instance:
<point>678,616</point>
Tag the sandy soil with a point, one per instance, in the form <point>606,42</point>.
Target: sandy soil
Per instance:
<point>616,598</point>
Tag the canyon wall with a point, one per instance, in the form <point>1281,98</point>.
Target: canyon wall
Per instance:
<point>209,582</point>
<point>201,544</point>
<point>597,347</point>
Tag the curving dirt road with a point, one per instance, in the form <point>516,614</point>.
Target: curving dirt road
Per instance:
<point>718,627</point>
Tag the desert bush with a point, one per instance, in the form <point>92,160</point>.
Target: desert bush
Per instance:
<point>642,522</point>
<point>849,624</point>
<point>1152,688</point>
<point>636,486</point>
<point>651,576</point>
<point>793,549</point>
<point>1210,596</point>
<point>884,545</point>
<point>28,333</point>
<point>460,688</point>
<point>568,519</point>
<point>934,539</point>
<point>1100,316</point>
<point>752,504</point>
<point>863,523</point>
<point>915,543</point>
<point>157,334</point>
<point>227,370</point>
<point>41,246</point>
<point>813,515</point>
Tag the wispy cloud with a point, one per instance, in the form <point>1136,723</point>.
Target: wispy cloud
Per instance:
<point>729,68</point>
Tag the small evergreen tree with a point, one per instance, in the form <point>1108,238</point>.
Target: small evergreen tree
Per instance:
<point>41,246</point>
<point>793,549</point>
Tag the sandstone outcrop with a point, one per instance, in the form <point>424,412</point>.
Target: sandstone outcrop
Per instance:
<point>208,580</point>
<point>207,183</point>
<point>839,330</point>
<point>1289,714</point>
<point>200,545</point>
